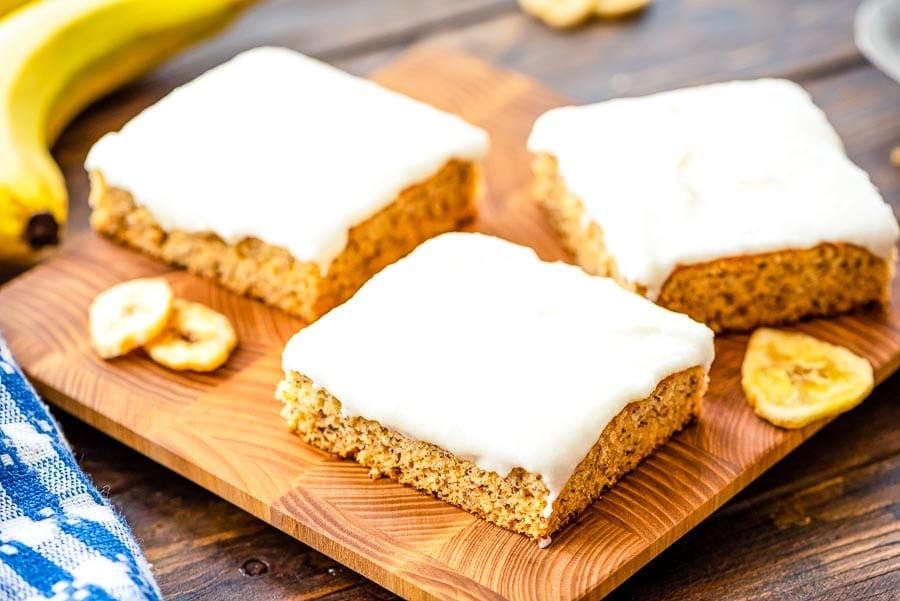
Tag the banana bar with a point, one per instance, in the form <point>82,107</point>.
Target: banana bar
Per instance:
<point>734,203</point>
<point>285,179</point>
<point>514,388</point>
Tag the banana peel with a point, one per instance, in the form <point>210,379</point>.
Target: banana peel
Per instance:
<point>7,6</point>
<point>58,57</point>
<point>791,379</point>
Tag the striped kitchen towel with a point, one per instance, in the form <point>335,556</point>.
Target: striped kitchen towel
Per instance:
<point>59,538</point>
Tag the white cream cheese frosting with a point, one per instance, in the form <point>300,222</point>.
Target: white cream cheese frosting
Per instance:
<point>474,344</point>
<point>281,147</point>
<point>710,172</point>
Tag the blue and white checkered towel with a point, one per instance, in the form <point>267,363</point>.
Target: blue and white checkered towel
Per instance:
<point>59,538</point>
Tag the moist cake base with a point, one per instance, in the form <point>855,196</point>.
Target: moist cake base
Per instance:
<point>442,203</point>
<point>734,293</point>
<point>515,501</point>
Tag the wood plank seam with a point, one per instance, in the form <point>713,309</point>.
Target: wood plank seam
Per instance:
<point>397,39</point>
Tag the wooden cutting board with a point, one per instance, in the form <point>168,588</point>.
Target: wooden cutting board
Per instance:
<point>223,430</point>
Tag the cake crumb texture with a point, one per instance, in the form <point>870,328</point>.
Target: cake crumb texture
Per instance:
<point>444,202</point>
<point>515,501</point>
<point>734,293</point>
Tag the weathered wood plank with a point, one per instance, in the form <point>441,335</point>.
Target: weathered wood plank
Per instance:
<point>673,44</point>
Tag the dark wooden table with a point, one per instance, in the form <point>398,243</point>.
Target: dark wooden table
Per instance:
<point>823,524</point>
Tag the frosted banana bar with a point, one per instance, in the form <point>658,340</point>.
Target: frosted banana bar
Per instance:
<point>516,389</point>
<point>285,179</point>
<point>734,203</point>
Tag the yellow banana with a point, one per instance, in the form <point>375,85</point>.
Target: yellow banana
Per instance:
<point>58,57</point>
<point>7,6</point>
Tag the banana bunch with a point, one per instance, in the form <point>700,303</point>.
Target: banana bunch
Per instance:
<point>56,57</point>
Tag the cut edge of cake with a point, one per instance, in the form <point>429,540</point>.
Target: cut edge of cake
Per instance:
<point>734,293</point>
<point>444,202</point>
<point>515,501</point>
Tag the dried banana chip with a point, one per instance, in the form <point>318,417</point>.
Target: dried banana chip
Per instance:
<point>613,9</point>
<point>569,13</point>
<point>196,338</point>
<point>128,315</point>
<point>559,13</point>
<point>791,379</point>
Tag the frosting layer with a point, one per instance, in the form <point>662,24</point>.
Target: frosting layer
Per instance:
<point>281,147</point>
<point>710,172</point>
<point>474,344</point>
